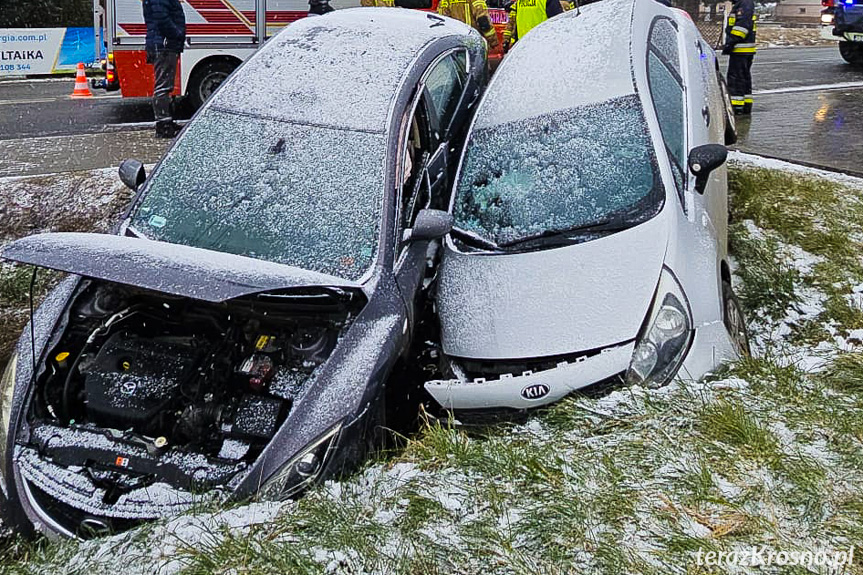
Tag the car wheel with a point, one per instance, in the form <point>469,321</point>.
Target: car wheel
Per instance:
<point>206,79</point>
<point>730,122</point>
<point>735,321</point>
<point>851,52</point>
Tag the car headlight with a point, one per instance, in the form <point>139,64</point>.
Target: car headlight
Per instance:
<point>7,389</point>
<point>303,469</point>
<point>665,338</point>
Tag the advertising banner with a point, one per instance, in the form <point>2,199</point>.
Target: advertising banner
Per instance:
<point>25,51</point>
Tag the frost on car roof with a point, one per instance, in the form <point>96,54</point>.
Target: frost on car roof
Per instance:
<point>570,61</point>
<point>341,70</point>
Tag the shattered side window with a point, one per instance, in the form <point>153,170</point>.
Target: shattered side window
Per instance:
<point>304,196</point>
<point>559,172</point>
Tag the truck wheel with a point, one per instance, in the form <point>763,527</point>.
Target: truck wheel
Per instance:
<point>852,52</point>
<point>206,78</point>
<point>734,320</point>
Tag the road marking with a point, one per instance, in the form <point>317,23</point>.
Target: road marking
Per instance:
<point>36,101</point>
<point>810,88</point>
<point>837,59</point>
<point>46,100</point>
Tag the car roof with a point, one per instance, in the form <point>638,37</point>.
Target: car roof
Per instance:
<point>572,60</point>
<point>341,70</point>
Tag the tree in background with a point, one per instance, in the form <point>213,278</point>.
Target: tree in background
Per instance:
<point>45,13</point>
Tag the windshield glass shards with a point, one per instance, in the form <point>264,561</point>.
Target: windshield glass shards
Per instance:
<point>305,196</point>
<point>590,168</point>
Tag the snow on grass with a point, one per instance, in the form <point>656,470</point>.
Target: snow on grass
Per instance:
<point>633,480</point>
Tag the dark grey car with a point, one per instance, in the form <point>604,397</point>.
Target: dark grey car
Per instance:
<point>236,335</point>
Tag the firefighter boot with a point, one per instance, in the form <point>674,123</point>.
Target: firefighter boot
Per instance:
<point>167,129</point>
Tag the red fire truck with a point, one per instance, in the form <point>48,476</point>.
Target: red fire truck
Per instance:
<point>220,34</point>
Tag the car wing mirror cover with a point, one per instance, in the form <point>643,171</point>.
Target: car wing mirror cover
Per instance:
<point>429,225</point>
<point>132,173</point>
<point>703,160</point>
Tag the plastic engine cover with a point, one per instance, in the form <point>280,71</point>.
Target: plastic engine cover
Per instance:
<point>133,378</point>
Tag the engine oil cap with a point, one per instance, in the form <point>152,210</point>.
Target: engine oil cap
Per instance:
<point>160,442</point>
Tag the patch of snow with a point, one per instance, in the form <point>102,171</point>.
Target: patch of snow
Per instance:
<point>781,165</point>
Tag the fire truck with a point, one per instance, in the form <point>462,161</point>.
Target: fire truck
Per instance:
<point>220,34</point>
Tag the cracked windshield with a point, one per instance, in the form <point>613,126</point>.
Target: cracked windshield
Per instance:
<point>559,172</point>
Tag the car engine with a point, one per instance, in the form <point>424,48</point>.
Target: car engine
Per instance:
<point>144,388</point>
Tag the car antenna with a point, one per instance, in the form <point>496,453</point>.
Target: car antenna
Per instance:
<point>32,327</point>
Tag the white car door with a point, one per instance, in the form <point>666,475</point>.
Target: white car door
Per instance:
<point>677,96</point>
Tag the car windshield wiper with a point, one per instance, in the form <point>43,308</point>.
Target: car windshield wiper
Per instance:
<point>570,235</point>
<point>475,240</point>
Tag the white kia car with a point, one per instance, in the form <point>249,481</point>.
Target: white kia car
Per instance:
<point>591,215</point>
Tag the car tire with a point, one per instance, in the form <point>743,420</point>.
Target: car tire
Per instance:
<point>206,79</point>
<point>735,321</point>
<point>852,52</point>
<point>730,122</point>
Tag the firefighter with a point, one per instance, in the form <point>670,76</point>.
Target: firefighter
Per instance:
<point>740,48</point>
<point>510,34</point>
<point>473,13</point>
<point>531,13</point>
<point>166,36</point>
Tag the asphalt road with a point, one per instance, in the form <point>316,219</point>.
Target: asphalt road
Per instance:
<point>784,68</point>
<point>809,107</point>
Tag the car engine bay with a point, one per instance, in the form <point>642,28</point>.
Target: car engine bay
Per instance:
<point>143,388</point>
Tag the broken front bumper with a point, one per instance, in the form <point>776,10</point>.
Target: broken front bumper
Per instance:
<point>531,389</point>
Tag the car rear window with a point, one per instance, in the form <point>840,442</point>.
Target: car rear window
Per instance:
<point>305,196</point>
<point>558,172</point>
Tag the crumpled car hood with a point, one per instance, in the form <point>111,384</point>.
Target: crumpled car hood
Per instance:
<point>553,302</point>
<point>159,266</point>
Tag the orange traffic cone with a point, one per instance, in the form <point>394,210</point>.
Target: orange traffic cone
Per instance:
<point>82,90</point>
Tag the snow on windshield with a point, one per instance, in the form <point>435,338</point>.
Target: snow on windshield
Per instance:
<point>559,171</point>
<point>571,61</point>
<point>342,69</point>
<point>303,196</point>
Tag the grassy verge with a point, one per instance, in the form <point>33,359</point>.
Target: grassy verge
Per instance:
<point>73,202</point>
<point>769,452</point>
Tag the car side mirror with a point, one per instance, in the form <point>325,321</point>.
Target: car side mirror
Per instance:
<point>132,174</point>
<point>703,160</point>
<point>429,225</point>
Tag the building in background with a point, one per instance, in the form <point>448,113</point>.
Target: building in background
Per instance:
<point>798,12</point>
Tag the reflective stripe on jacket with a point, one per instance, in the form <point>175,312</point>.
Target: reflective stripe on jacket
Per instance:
<point>741,27</point>
<point>473,13</point>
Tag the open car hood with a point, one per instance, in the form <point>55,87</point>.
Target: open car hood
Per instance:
<point>159,266</point>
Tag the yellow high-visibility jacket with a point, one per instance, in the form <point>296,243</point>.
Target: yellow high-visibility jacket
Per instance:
<point>473,13</point>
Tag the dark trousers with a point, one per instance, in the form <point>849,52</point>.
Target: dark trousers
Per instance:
<point>740,79</point>
<point>164,70</point>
